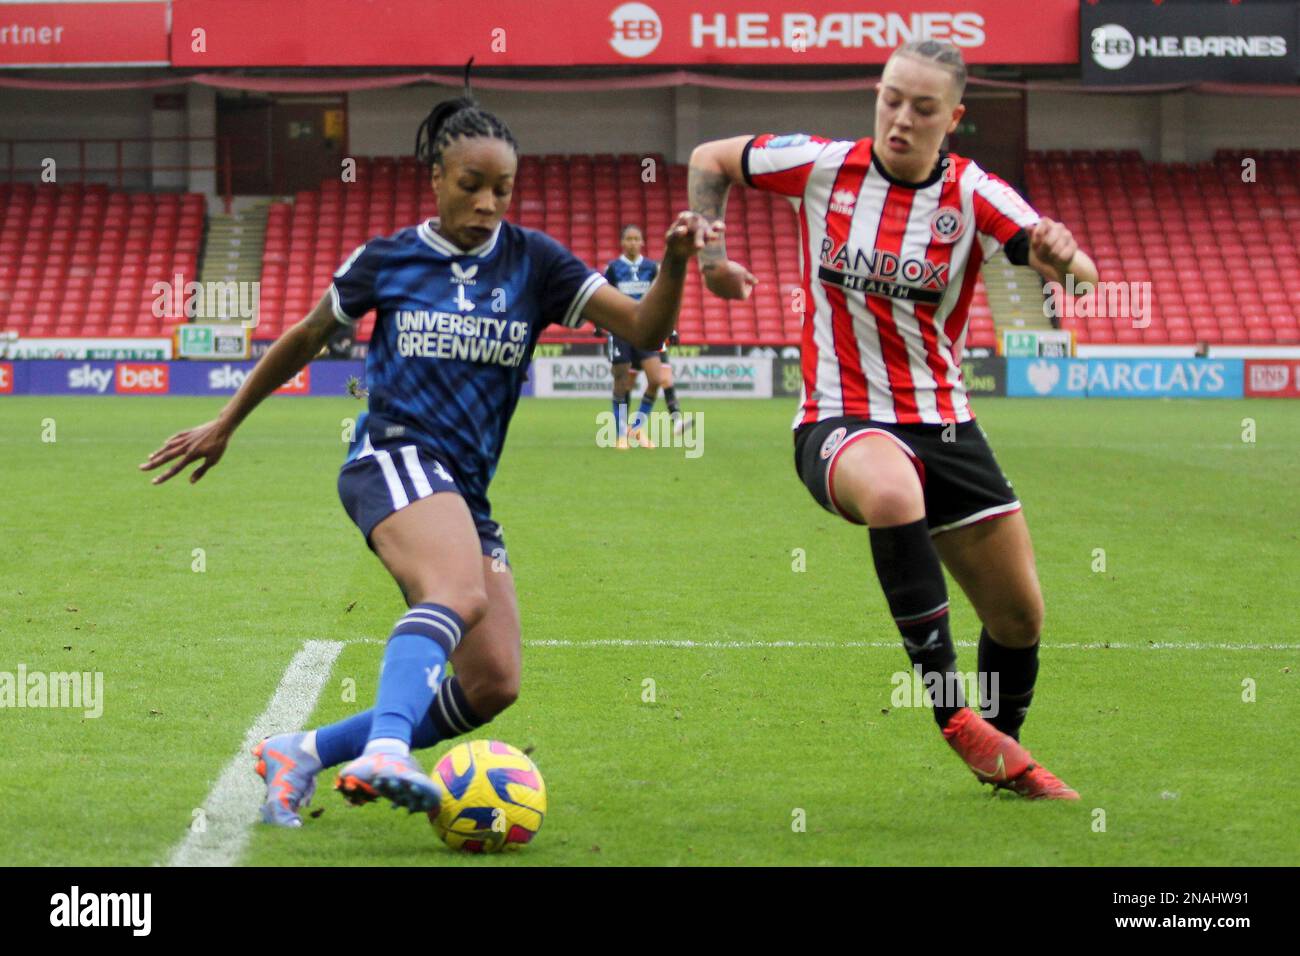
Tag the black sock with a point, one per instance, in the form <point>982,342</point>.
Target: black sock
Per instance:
<point>670,396</point>
<point>1007,676</point>
<point>912,578</point>
<point>451,713</point>
<point>621,423</point>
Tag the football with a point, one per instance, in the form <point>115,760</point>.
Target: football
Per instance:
<point>495,797</point>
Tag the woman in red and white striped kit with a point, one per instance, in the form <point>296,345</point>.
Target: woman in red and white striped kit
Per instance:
<point>893,231</point>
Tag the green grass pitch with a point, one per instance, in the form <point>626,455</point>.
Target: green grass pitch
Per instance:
<point>1180,736</point>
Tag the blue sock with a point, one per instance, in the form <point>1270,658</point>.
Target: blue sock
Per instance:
<point>643,413</point>
<point>450,716</point>
<point>345,740</point>
<point>415,662</point>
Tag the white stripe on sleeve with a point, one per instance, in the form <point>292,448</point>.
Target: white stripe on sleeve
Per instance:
<point>573,317</point>
<point>339,314</point>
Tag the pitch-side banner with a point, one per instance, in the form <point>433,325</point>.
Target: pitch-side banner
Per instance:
<point>1137,41</point>
<point>1268,378</point>
<point>165,378</point>
<point>297,33</point>
<point>87,348</point>
<point>580,377</point>
<point>83,34</point>
<point>1124,378</point>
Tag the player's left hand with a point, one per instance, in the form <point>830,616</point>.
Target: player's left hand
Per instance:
<point>1053,244</point>
<point>689,234</point>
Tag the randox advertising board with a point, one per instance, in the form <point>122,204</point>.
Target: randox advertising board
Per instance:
<point>704,377</point>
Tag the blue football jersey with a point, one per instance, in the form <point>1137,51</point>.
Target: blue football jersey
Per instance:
<point>454,333</point>
<point>633,279</point>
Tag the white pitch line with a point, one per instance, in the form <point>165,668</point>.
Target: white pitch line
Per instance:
<point>232,806</point>
<point>891,645</point>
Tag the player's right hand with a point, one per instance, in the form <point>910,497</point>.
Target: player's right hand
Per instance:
<point>729,280</point>
<point>205,442</point>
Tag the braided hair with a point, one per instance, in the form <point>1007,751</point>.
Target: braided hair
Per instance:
<point>938,53</point>
<point>452,119</point>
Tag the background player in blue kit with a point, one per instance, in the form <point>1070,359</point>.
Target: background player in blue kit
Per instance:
<point>632,273</point>
<point>460,303</point>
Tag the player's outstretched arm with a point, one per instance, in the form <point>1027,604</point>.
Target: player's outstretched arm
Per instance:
<point>715,166</point>
<point>651,320</point>
<point>1054,253</point>
<point>282,361</point>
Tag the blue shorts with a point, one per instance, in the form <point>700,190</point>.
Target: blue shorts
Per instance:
<point>623,352</point>
<point>385,479</point>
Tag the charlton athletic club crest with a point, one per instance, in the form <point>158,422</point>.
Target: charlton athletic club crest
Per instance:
<point>945,224</point>
<point>832,442</point>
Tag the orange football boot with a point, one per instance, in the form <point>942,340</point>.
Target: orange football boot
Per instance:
<point>998,759</point>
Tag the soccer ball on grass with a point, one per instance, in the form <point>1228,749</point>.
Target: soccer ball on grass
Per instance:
<point>495,797</point>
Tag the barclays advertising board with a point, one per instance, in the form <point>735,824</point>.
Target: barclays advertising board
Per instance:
<point>1124,378</point>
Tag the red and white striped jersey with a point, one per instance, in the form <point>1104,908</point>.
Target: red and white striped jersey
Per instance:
<point>888,270</point>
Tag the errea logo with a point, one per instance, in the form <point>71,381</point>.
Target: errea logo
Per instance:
<point>843,201</point>
<point>6,378</point>
<point>637,30</point>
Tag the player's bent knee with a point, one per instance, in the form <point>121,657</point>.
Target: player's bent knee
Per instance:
<point>894,505</point>
<point>879,483</point>
<point>471,605</point>
<point>470,602</point>
<point>1018,625</point>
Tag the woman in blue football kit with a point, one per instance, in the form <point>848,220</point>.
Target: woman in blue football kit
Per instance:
<point>631,273</point>
<point>460,302</point>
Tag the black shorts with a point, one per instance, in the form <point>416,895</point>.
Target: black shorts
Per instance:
<point>622,352</point>
<point>960,478</point>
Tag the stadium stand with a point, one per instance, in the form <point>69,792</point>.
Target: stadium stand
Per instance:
<point>1220,253</point>
<point>83,259</point>
<point>1219,250</point>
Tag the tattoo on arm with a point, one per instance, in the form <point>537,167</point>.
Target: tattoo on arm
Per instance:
<point>708,197</point>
